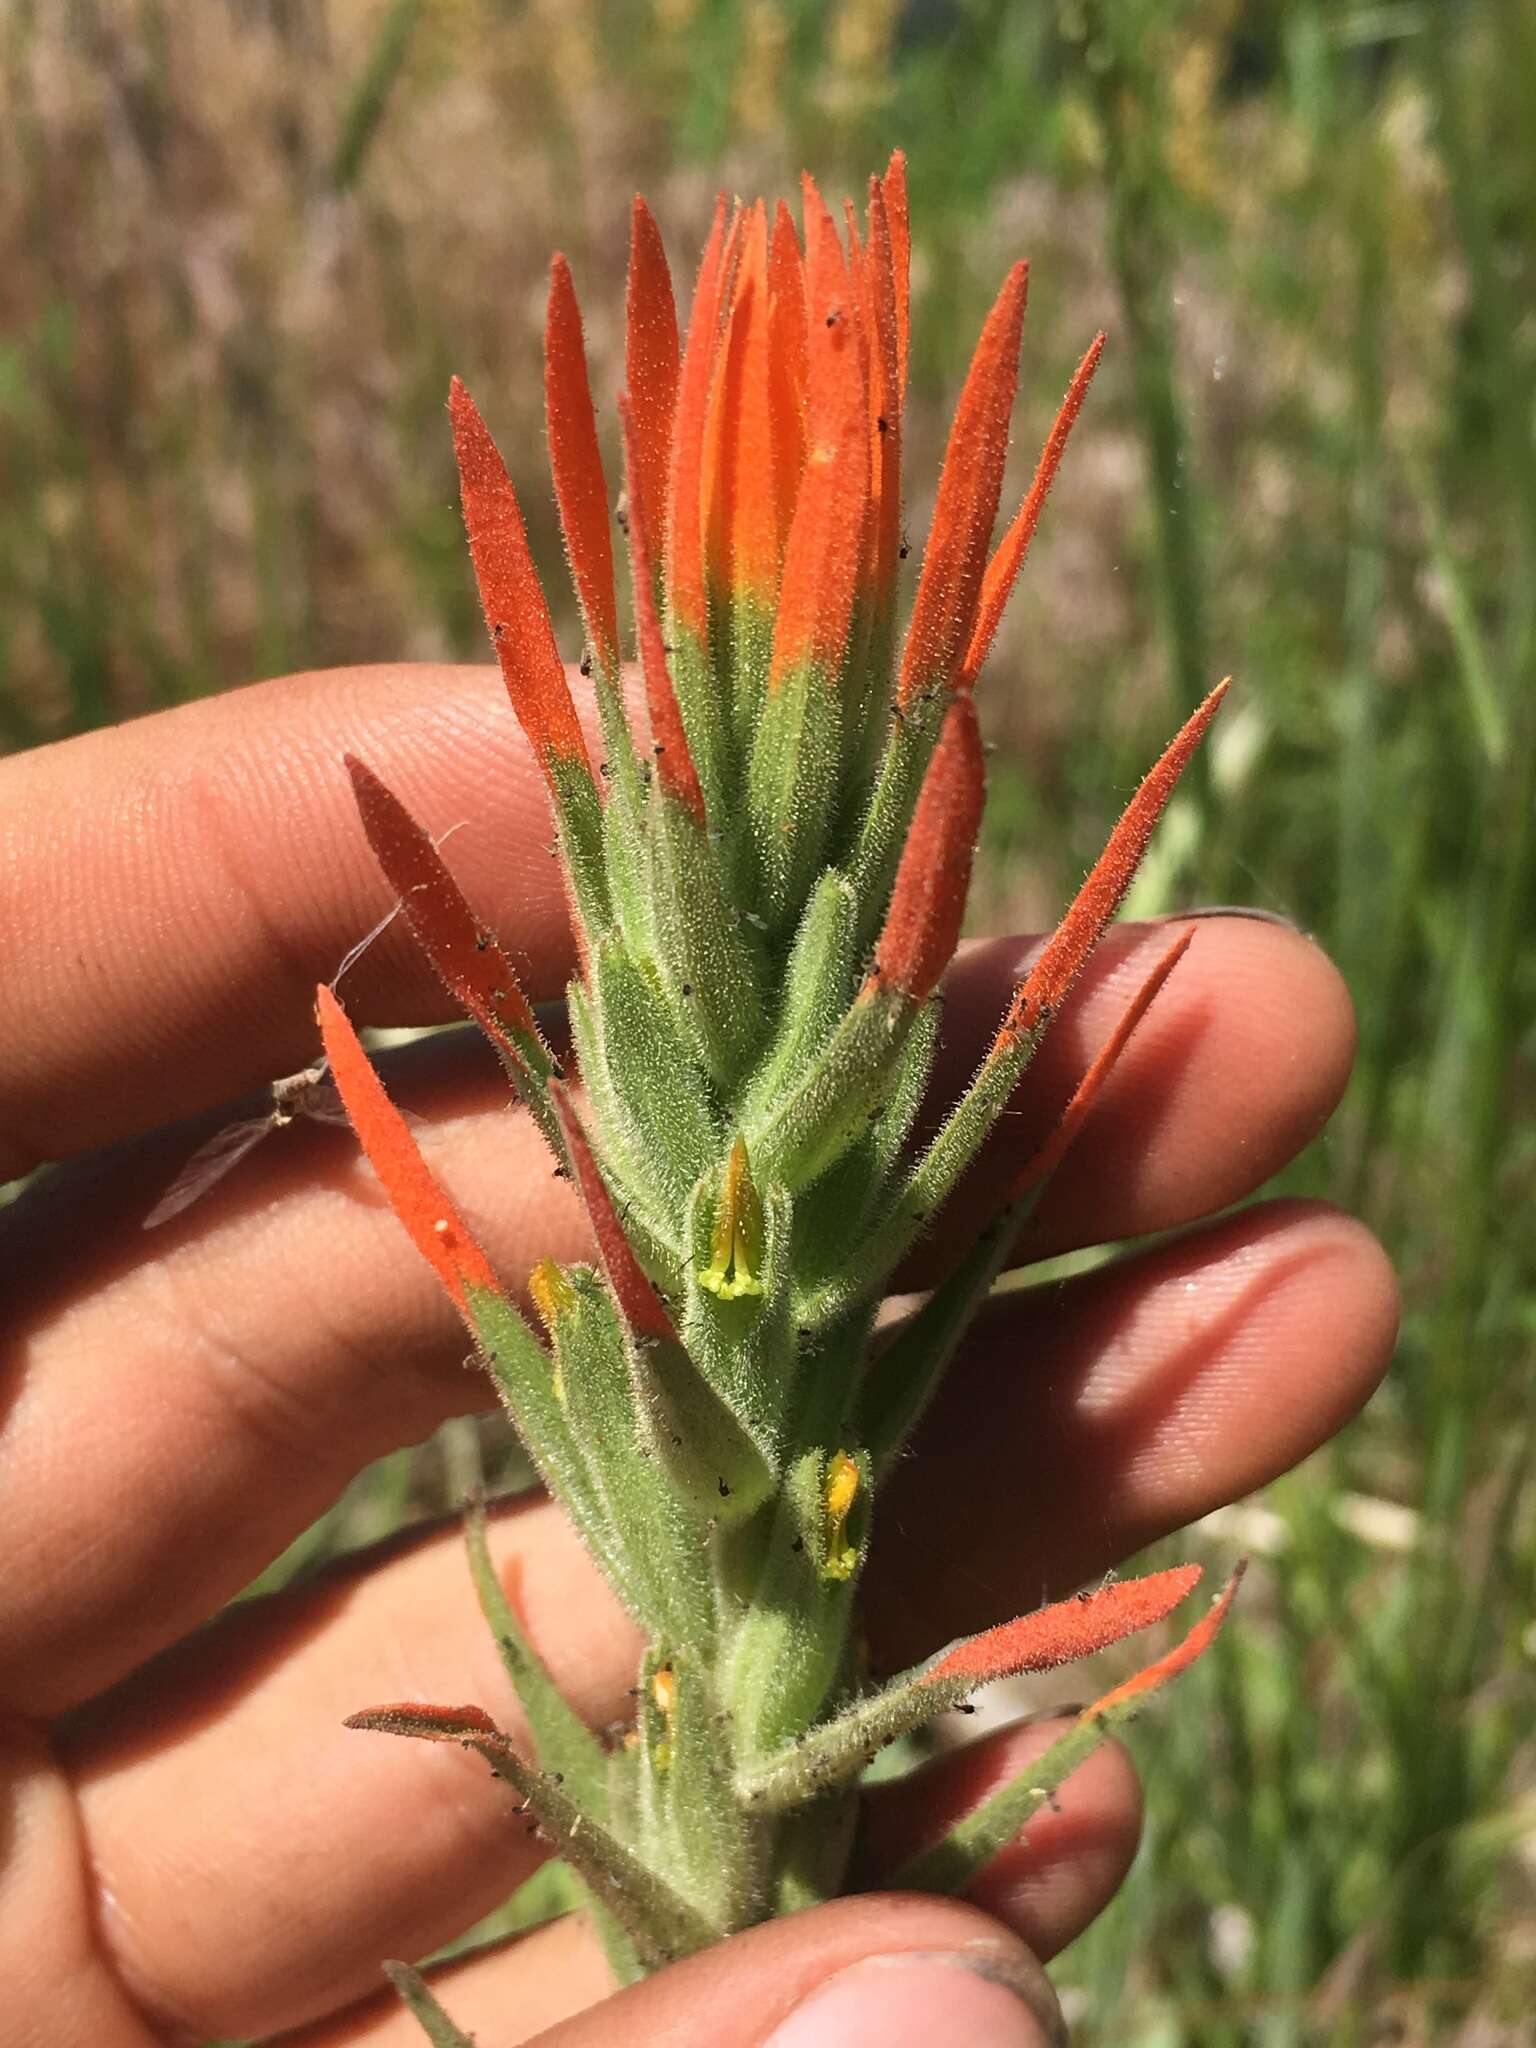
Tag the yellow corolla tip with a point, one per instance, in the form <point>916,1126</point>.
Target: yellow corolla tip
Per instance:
<point>840,1490</point>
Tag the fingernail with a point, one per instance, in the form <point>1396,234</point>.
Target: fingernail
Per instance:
<point>918,1998</point>
<point>1249,910</point>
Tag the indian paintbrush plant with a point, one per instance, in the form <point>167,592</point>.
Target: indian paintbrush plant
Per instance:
<point>767,877</point>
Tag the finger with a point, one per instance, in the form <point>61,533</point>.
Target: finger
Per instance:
<point>219,1788</point>
<point>206,1407</point>
<point>901,1970</point>
<point>1122,1405</point>
<point>174,888</point>
<point>1058,1873</point>
<point>309,1347</point>
<point>1232,1357</point>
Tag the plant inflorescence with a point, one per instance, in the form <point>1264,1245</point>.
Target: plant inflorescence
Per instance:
<point>767,873</point>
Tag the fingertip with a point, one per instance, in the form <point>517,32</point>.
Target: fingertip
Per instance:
<point>897,1968</point>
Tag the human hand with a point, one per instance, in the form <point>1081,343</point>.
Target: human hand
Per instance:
<point>196,1847</point>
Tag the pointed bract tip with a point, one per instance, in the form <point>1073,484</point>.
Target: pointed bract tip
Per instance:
<point>516,614</point>
<point>1003,569</point>
<point>470,963</point>
<point>687,592</point>
<point>922,925</point>
<point>970,485</point>
<point>1045,987</point>
<point>576,463</point>
<point>1179,1658</point>
<point>433,1224</point>
<point>1087,1092</point>
<point>823,553</point>
<point>676,774</point>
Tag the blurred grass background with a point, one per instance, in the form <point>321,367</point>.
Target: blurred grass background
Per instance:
<point>242,244</point>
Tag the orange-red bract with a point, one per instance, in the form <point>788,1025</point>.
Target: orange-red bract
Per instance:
<point>436,1229</point>
<point>922,925</point>
<point>469,961</point>
<point>824,551</point>
<point>674,762</point>
<point>970,484</point>
<point>1087,1091</point>
<point>1003,569</point>
<point>687,593</point>
<point>1069,1629</point>
<point>576,464</point>
<point>515,611</point>
<point>651,355</point>
<point>1178,1659</point>
<point>636,1297</point>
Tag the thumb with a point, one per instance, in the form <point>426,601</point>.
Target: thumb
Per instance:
<point>898,1969</point>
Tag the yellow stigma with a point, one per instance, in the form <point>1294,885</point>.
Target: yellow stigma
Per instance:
<point>839,1492</point>
<point>737,1251</point>
<point>664,1693</point>
<point>553,1295</point>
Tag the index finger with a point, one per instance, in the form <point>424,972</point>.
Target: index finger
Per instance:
<point>171,890</point>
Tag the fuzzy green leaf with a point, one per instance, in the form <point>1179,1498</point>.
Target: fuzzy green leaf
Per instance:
<point>846,1085</point>
<point>523,1373</point>
<point>596,1388</point>
<point>652,1078</point>
<point>789,1646</point>
<point>819,984</point>
<point>737,1304</point>
<point>713,1463</point>
<point>792,786</point>
<point>692,1828</point>
<point>707,961</point>
<point>564,1743</point>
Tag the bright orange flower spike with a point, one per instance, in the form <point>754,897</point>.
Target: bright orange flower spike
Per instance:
<point>1003,569</point>
<point>435,1226</point>
<point>922,926</point>
<point>885,395</point>
<point>636,1297</point>
<point>1070,1629</point>
<point>826,269</point>
<point>650,354</point>
<point>787,320</point>
<point>741,495</point>
<point>825,546</point>
<point>1086,1093</point>
<point>466,957</point>
<point>893,187</point>
<point>1041,992</point>
<point>1179,1658</point>
<point>970,484</point>
<point>515,610</point>
<point>581,491</point>
<point>674,760</point>
<point>686,592</point>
